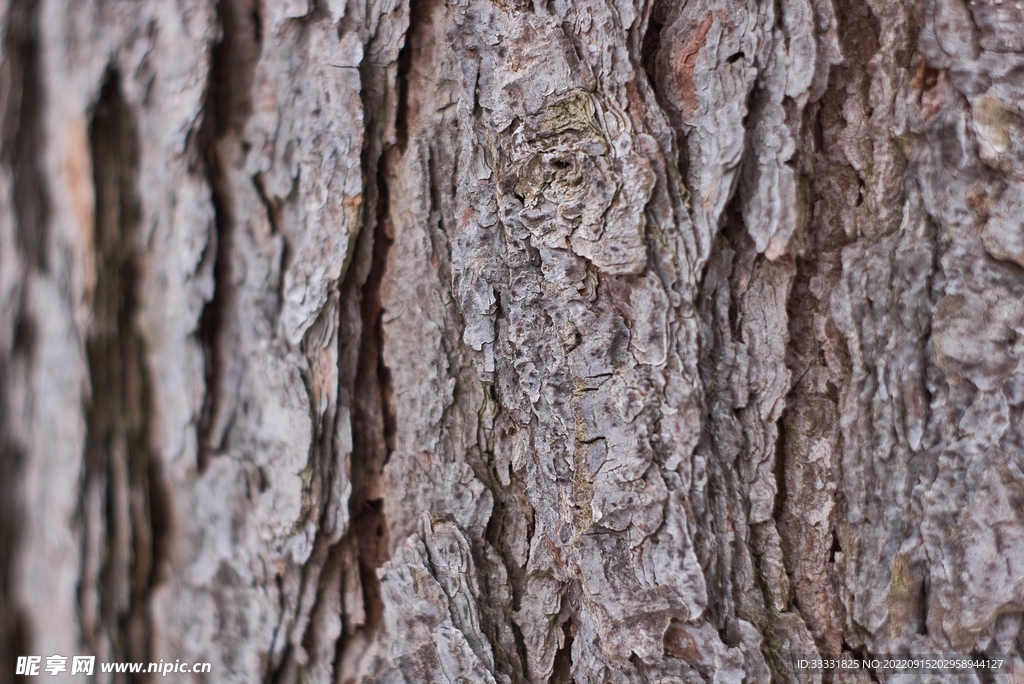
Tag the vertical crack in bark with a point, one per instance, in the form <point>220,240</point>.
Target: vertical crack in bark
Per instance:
<point>225,110</point>
<point>416,10</point>
<point>14,636</point>
<point>809,453</point>
<point>20,151</point>
<point>372,369</point>
<point>650,47</point>
<point>562,669</point>
<point>341,572</point>
<point>781,493</point>
<point>212,324</point>
<point>22,142</point>
<point>724,522</point>
<point>373,426</point>
<point>124,505</point>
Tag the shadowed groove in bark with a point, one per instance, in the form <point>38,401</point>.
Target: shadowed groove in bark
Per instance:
<point>837,507</point>
<point>373,420</point>
<point>562,671</point>
<point>211,322</point>
<point>227,106</point>
<point>417,8</point>
<point>20,149</point>
<point>21,145</point>
<point>369,525</point>
<point>341,564</point>
<point>651,44</point>
<point>725,510</point>
<point>15,636</point>
<point>123,503</point>
<point>810,423</point>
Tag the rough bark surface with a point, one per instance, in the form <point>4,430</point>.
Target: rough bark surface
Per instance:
<point>511,341</point>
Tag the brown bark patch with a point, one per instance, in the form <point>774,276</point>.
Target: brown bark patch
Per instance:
<point>123,503</point>
<point>686,64</point>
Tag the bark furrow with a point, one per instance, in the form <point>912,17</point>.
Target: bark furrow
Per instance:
<point>509,341</point>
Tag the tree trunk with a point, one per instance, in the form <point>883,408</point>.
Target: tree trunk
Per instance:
<point>513,340</point>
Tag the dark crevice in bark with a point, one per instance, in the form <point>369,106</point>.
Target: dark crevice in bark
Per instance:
<point>365,384</point>
<point>318,10</point>
<point>273,210</point>
<point>21,145</point>
<point>278,632</point>
<point>14,635</point>
<point>922,599</point>
<point>836,547</point>
<point>14,622</point>
<point>815,349</point>
<point>562,667</point>
<point>861,654</point>
<point>319,639</point>
<point>932,378</point>
<point>307,611</point>
<point>721,539</point>
<point>796,427</point>
<point>373,423</point>
<point>20,151</point>
<point>364,387</point>
<point>651,45</point>
<point>655,62</point>
<point>212,323</point>
<point>322,573</point>
<point>419,11</point>
<point>287,671</point>
<point>387,404</point>
<point>226,108</point>
<point>124,502</point>
<point>369,529</point>
<point>781,492</point>
<point>520,641</point>
<point>233,65</point>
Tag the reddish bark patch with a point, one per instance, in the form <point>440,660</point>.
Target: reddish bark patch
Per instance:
<point>635,107</point>
<point>679,644</point>
<point>686,63</point>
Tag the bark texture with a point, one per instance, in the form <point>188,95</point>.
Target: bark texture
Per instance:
<point>511,341</point>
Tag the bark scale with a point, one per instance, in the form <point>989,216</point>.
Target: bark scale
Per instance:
<point>511,341</point>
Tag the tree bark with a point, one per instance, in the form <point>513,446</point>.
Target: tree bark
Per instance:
<point>514,340</point>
